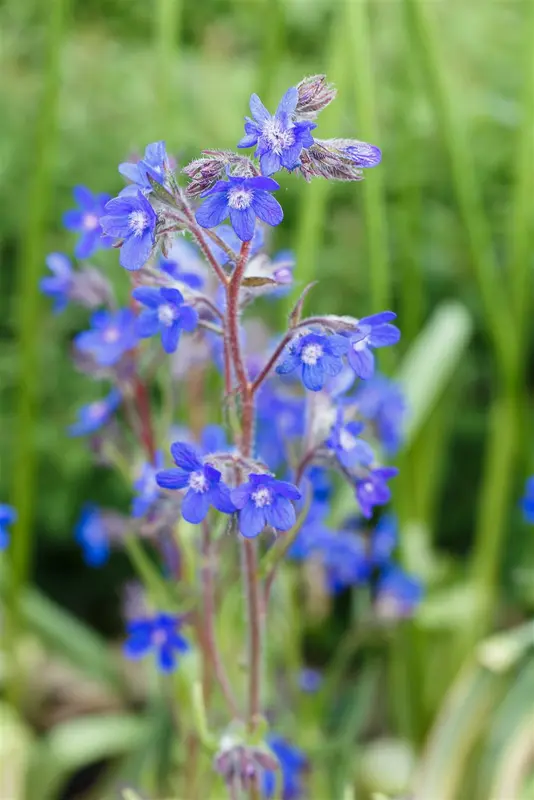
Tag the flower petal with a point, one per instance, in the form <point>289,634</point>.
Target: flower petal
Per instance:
<point>243,222</point>
<point>258,110</point>
<point>147,295</point>
<point>170,336</point>
<point>84,197</point>
<point>212,211</point>
<point>362,362</point>
<point>172,478</point>
<point>288,103</point>
<point>221,500</point>
<point>281,514</point>
<point>185,456</point>
<point>136,250</point>
<point>384,335</point>
<point>313,376</point>
<point>240,495</point>
<point>291,362</point>
<point>270,162</point>
<point>251,520</point>
<point>195,506</point>
<point>188,318</point>
<point>147,323</point>
<point>378,319</point>
<point>267,208</point>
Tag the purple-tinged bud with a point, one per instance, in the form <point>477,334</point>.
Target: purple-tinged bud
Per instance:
<point>325,160</point>
<point>242,767</point>
<point>205,172</point>
<point>315,94</point>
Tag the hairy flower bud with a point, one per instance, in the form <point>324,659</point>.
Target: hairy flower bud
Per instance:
<point>205,172</point>
<point>324,159</point>
<point>315,94</point>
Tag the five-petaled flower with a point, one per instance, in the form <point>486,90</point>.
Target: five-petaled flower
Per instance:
<point>527,501</point>
<point>319,357</point>
<point>242,199</point>
<point>160,634</point>
<point>153,163</point>
<point>91,534</point>
<point>58,285</point>
<point>146,486</point>
<point>165,313</point>
<point>373,490</point>
<point>345,442</point>
<point>112,335</point>
<point>131,217</point>
<point>279,138</point>
<point>202,481</point>
<point>8,516</point>
<point>86,221</point>
<point>264,500</point>
<point>373,331</point>
<point>96,414</point>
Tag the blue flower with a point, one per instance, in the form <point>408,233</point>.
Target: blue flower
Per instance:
<point>166,313</point>
<point>317,355</point>
<point>292,764</point>
<point>213,439</point>
<point>91,534</point>
<point>94,415</point>
<point>527,502</point>
<point>160,634</point>
<point>279,139</point>
<point>345,559</point>
<point>373,489</point>
<point>382,401</point>
<point>310,680</point>
<point>281,419</point>
<point>112,335</point>
<point>383,540</point>
<point>131,218</point>
<point>373,331</point>
<point>363,154</point>
<point>242,199</point>
<point>153,163</point>
<point>58,285</point>
<point>349,449</point>
<point>230,238</point>
<point>397,594</point>
<point>264,500</point>
<point>172,268</point>
<point>86,221</point>
<point>202,481</point>
<point>8,516</point>
<point>146,487</point>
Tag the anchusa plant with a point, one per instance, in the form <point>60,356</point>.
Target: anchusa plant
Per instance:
<point>239,483</point>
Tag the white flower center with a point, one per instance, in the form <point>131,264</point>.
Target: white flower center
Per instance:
<point>311,353</point>
<point>240,198</point>
<point>361,345</point>
<point>198,482</point>
<point>159,637</point>
<point>98,409</point>
<point>167,314</point>
<point>278,138</point>
<point>111,335</point>
<point>347,440</point>
<point>90,221</point>
<point>262,497</point>
<point>138,222</point>
<point>368,487</point>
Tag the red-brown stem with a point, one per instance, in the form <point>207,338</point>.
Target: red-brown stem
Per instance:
<point>271,362</point>
<point>250,558</point>
<point>201,241</point>
<point>209,617</point>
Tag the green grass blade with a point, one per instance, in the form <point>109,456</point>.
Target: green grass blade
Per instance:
<point>359,61</point>
<point>32,254</point>
<point>424,32</point>
<point>521,214</point>
<point>431,362</point>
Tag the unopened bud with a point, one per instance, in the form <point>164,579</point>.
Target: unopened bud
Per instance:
<point>315,94</point>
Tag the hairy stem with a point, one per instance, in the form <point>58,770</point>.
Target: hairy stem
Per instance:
<point>250,557</point>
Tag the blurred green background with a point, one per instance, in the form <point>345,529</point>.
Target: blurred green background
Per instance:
<point>444,226</point>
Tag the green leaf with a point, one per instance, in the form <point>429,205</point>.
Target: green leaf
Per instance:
<point>74,744</point>
<point>430,363</point>
<point>62,633</point>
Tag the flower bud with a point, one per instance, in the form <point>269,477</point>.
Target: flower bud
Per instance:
<point>315,94</point>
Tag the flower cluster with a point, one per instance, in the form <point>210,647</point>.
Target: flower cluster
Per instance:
<point>293,412</point>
